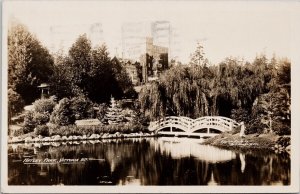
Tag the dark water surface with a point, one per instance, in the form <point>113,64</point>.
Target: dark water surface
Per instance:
<point>152,161</point>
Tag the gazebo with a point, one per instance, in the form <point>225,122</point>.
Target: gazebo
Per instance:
<point>45,90</point>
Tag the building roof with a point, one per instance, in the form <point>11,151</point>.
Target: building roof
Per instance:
<point>87,122</point>
<point>43,85</point>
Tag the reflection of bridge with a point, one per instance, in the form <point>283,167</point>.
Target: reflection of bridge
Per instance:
<point>202,127</point>
<point>183,147</point>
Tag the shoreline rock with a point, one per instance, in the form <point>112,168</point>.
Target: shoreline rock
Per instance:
<point>58,138</point>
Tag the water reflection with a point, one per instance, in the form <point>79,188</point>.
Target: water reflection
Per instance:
<point>185,147</point>
<point>144,162</point>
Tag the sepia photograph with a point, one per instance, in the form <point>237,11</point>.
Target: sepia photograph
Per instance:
<point>182,96</point>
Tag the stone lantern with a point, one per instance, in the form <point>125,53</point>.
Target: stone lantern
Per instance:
<point>44,90</point>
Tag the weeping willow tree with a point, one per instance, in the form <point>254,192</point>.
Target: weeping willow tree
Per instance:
<point>181,91</point>
<point>153,101</point>
<point>237,84</point>
<point>196,91</point>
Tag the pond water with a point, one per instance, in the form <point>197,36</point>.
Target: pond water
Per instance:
<point>148,161</point>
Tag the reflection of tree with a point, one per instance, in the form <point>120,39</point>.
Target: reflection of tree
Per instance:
<point>162,169</point>
<point>258,171</point>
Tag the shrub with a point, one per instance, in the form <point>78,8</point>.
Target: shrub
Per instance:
<point>281,128</point>
<point>18,132</point>
<point>102,111</point>
<point>284,141</point>
<point>255,126</point>
<point>15,102</point>
<point>123,128</point>
<point>29,122</point>
<point>62,114</point>
<point>40,118</point>
<point>81,107</point>
<point>67,111</point>
<point>64,130</point>
<point>100,129</point>
<point>44,105</point>
<point>52,129</point>
<point>240,115</point>
<point>42,130</point>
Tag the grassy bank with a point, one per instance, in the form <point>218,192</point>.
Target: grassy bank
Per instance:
<point>267,142</point>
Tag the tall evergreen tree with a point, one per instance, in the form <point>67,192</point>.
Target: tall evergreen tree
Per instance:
<point>94,74</point>
<point>29,63</point>
<point>80,62</point>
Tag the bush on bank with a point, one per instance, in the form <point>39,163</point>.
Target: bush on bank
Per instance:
<point>29,122</point>
<point>49,118</point>
<point>15,102</point>
<point>42,130</point>
<point>18,132</point>
<point>40,115</point>
<point>45,105</point>
<point>81,107</point>
<point>62,113</point>
<point>100,129</point>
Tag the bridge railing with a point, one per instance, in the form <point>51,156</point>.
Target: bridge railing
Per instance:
<point>189,125</point>
<point>182,122</point>
<point>223,123</point>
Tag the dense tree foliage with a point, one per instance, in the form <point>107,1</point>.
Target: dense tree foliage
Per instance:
<point>80,60</point>
<point>61,82</point>
<point>84,75</point>
<point>272,109</point>
<point>196,91</point>
<point>90,72</point>
<point>234,89</point>
<point>29,63</point>
<point>257,93</point>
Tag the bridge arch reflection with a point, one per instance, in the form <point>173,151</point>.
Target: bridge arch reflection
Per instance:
<point>184,147</point>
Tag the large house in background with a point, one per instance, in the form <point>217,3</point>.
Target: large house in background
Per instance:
<point>162,32</point>
<point>152,61</point>
<point>132,69</point>
<point>148,44</point>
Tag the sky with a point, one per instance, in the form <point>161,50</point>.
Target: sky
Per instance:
<point>242,29</point>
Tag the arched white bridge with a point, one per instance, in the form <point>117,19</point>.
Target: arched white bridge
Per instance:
<point>207,126</point>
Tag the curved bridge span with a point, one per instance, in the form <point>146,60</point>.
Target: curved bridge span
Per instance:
<point>204,126</point>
